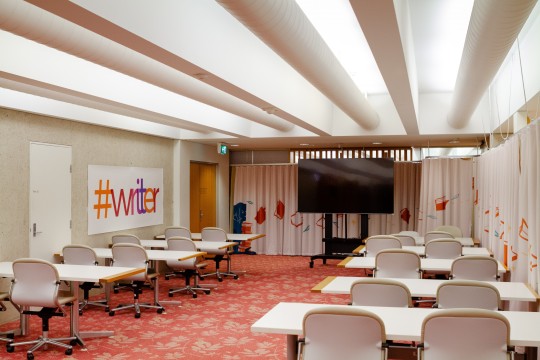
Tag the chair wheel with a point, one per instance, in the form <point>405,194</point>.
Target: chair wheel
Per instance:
<point>68,351</point>
<point>111,313</point>
<point>160,311</point>
<point>194,296</point>
<point>116,291</point>
<point>137,315</point>
<point>171,294</point>
<point>220,279</point>
<point>80,312</point>
<point>107,309</point>
<point>235,277</point>
<point>30,356</point>
<point>10,348</point>
<point>207,292</point>
<point>73,342</point>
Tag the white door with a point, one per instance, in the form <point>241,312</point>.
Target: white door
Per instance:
<point>50,199</point>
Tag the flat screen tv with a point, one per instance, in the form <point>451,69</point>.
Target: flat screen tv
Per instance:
<point>359,186</point>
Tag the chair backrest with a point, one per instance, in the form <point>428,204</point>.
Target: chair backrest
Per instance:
<point>177,231</point>
<point>444,249</point>
<point>130,255</point>
<point>180,243</point>
<point>79,255</point>
<point>406,240</point>
<point>125,239</point>
<point>454,230</point>
<point>35,283</point>
<point>473,267</point>
<point>376,243</point>
<point>410,233</point>
<point>432,235</point>
<point>380,292</point>
<point>397,263</point>
<point>213,234</point>
<point>465,334</point>
<point>343,333</point>
<point>468,294</point>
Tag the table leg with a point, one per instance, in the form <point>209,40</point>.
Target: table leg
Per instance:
<point>292,347</point>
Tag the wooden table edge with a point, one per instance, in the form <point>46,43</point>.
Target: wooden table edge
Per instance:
<point>344,262</point>
<point>120,276</point>
<point>318,288</point>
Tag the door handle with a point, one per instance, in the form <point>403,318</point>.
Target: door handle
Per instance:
<point>201,214</point>
<point>34,230</point>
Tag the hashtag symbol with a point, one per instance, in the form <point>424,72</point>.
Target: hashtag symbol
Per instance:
<point>102,194</point>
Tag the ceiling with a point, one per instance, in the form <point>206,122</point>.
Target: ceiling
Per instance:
<point>267,74</point>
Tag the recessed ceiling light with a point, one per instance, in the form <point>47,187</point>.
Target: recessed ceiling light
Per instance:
<point>377,143</point>
<point>233,145</point>
<point>454,141</point>
<point>304,144</point>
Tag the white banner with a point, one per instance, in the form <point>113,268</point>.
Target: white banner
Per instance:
<point>123,198</point>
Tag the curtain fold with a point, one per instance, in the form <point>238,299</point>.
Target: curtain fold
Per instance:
<point>446,194</point>
<point>507,204</point>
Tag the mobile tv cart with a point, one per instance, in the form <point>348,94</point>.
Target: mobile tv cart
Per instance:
<point>340,248</point>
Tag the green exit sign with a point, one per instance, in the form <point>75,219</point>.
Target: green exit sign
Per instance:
<point>222,149</point>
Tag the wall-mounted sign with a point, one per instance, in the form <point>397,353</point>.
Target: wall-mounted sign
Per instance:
<point>122,198</point>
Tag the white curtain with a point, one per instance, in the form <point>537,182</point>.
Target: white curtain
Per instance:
<point>507,204</point>
<point>269,193</point>
<point>446,195</point>
<point>266,197</point>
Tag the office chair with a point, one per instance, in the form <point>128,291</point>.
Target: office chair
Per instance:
<point>406,240</point>
<point>454,230</point>
<point>125,238</point>
<point>380,292</point>
<point>345,333</point>
<point>468,294</point>
<point>84,255</point>
<point>133,255</point>
<point>410,233</point>
<point>432,235</point>
<point>177,231</point>
<point>465,334</point>
<point>443,249</point>
<point>397,263</point>
<point>189,268</point>
<point>217,234</point>
<point>36,284</point>
<point>376,243</point>
<point>472,267</point>
<point>9,334</point>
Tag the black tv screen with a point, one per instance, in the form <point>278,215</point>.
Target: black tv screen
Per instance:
<point>360,186</point>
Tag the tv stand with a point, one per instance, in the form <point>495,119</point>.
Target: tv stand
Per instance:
<point>337,248</point>
<point>340,248</point>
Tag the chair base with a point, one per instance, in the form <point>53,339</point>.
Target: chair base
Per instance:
<point>190,290</point>
<point>136,305</point>
<point>42,341</point>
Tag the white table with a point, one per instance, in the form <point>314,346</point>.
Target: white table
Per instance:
<point>201,245</point>
<point>155,255</point>
<point>509,291</point>
<point>400,323</point>
<point>434,265</point>
<point>465,250</point>
<point>465,241</point>
<point>76,274</point>
<point>230,236</point>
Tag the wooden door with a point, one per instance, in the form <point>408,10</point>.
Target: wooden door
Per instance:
<point>202,196</point>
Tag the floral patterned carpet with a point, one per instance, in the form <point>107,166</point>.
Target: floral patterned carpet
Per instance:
<point>214,326</point>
